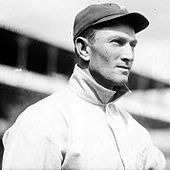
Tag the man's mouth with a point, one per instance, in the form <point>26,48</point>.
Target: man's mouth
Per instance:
<point>124,67</point>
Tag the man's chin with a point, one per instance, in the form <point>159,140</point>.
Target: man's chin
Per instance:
<point>120,83</point>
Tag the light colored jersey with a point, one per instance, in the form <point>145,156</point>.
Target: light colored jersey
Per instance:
<point>79,128</point>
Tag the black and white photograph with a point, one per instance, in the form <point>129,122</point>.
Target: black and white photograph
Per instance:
<point>84,85</point>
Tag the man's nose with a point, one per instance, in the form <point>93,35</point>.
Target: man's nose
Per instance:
<point>128,53</point>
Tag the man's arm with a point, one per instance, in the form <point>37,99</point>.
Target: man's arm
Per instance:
<point>29,144</point>
<point>155,159</point>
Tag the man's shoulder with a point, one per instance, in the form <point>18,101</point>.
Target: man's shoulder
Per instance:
<point>49,104</point>
<point>52,108</point>
<point>44,116</point>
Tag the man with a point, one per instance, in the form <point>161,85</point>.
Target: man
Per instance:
<point>81,127</point>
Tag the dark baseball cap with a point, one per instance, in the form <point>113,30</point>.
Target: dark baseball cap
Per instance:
<point>99,13</point>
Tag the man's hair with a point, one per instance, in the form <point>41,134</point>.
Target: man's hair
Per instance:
<point>89,34</point>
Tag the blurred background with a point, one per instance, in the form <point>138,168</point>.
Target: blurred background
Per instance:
<point>37,59</point>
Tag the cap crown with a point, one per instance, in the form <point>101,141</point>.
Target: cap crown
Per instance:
<point>98,13</point>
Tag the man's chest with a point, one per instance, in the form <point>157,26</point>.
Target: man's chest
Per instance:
<point>97,141</point>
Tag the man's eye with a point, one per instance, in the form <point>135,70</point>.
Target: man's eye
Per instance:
<point>118,42</point>
<point>133,45</point>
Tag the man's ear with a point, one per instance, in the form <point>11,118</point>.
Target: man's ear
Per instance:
<point>82,48</point>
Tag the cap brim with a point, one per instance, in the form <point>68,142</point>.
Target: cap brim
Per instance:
<point>136,20</point>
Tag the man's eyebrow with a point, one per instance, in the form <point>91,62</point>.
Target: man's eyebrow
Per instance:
<point>122,38</point>
<point>131,39</point>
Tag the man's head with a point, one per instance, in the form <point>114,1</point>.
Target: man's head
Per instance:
<point>104,38</point>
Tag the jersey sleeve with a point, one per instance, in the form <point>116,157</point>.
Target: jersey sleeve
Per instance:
<point>155,159</point>
<point>30,143</point>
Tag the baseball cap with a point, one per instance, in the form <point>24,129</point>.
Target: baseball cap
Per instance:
<point>99,13</point>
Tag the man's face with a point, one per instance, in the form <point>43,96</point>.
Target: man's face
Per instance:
<point>112,55</point>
